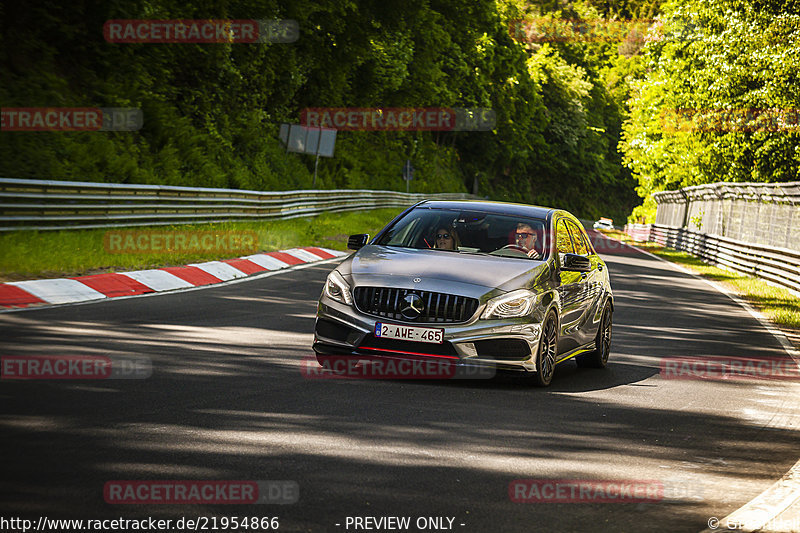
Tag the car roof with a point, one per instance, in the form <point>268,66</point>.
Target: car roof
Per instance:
<point>505,208</point>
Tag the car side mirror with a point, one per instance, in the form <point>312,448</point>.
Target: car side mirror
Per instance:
<point>356,242</point>
<point>575,263</point>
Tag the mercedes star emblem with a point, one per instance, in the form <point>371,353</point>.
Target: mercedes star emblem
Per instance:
<point>412,306</point>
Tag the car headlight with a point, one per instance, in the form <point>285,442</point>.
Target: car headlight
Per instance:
<point>514,304</point>
<point>337,288</point>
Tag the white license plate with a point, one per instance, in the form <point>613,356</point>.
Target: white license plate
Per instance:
<point>409,333</point>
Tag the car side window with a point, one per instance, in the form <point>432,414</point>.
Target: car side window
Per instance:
<point>577,239</point>
<point>587,242</point>
<point>563,241</point>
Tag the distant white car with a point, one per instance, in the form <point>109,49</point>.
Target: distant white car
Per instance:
<point>604,223</point>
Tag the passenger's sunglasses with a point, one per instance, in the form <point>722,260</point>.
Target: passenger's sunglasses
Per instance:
<point>443,236</point>
<point>524,235</point>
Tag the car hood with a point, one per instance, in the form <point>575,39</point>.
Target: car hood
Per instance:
<point>438,270</point>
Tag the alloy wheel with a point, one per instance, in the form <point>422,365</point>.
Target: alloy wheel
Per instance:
<point>547,352</point>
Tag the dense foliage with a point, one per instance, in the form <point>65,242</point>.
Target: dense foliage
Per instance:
<point>718,102</point>
<point>212,111</point>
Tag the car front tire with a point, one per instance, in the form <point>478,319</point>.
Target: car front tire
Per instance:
<point>546,355</point>
<point>602,341</point>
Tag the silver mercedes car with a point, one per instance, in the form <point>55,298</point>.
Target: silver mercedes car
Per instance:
<point>472,283</point>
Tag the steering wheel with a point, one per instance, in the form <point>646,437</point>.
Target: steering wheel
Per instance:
<point>518,251</point>
<point>533,254</point>
<point>515,247</point>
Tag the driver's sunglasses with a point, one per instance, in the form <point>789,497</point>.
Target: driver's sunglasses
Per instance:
<point>443,236</point>
<point>524,235</point>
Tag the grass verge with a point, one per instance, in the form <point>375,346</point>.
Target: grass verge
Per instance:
<point>778,304</point>
<point>53,254</point>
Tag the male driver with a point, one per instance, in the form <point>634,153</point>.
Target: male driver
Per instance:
<point>526,239</point>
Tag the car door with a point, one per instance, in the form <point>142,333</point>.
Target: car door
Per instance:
<point>599,290</point>
<point>569,290</point>
<point>587,286</point>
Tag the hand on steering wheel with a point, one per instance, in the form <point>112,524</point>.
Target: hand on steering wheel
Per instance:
<point>532,253</point>
<point>514,247</point>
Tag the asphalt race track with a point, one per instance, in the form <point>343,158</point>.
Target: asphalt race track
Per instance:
<point>227,401</point>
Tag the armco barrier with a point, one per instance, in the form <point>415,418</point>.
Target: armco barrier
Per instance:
<point>53,205</point>
<point>778,265</point>
<point>756,213</point>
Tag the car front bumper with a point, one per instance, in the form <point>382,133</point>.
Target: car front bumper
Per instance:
<point>510,344</point>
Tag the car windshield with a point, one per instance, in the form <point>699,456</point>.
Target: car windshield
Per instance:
<point>467,231</point>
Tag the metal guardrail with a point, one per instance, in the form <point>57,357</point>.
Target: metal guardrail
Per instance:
<point>762,213</point>
<point>57,205</point>
<point>778,265</point>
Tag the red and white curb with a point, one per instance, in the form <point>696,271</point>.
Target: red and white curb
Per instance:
<point>102,286</point>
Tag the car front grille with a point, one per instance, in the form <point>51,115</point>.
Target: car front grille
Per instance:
<point>436,306</point>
